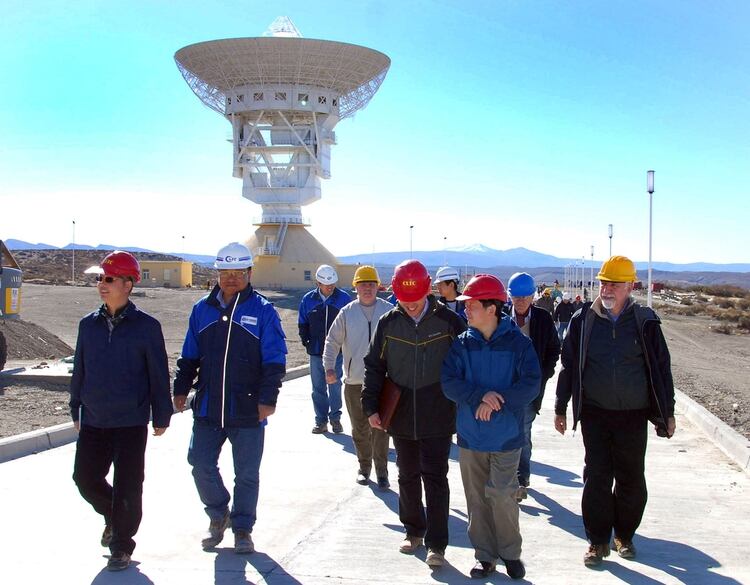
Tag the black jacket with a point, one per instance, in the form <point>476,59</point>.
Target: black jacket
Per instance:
<point>547,346</point>
<point>412,356</point>
<point>564,311</point>
<point>656,355</point>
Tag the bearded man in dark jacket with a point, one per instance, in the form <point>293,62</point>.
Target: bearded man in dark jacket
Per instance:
<point>616,367</point>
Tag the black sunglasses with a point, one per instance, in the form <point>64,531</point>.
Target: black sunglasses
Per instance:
<point>107,279</point>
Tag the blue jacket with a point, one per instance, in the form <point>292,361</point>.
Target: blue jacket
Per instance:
<point>316,316</point>
<point>238,354</point>
<point>507,364</point>
<point>120,378</point>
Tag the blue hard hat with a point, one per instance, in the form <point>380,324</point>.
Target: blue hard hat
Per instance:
<point>521,284</point>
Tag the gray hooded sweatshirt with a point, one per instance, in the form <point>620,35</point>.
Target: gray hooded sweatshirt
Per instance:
<point>351,334</point>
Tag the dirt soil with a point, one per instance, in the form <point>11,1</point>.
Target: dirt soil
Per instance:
<point>710,367</point>
<point>30,341</point>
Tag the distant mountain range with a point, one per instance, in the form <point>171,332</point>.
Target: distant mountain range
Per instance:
<point>543,267</point>
<point>21,245</point>
<point>480,256</point>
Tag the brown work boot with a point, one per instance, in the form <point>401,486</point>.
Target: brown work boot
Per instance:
<point>216,530</point>
<point>410,544</point>
<point>624,548</point>
<point>595,554</point>
<point>435,558</point>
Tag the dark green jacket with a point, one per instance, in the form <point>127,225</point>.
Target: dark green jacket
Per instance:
<point>412,355</point>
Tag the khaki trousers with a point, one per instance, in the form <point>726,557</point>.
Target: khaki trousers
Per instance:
<point>490,484</point>
<point>370,444</point>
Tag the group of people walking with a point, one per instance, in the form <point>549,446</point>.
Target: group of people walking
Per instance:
<point>472,362</point>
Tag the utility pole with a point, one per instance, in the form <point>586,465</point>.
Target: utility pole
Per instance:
<point>73,269</point>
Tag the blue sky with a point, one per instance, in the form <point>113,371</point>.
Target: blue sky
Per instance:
<point>510,123</point>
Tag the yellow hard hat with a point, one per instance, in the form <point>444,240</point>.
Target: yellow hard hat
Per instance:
<point>365,274</point>
<point>547,292</point>
<point>617,269</point>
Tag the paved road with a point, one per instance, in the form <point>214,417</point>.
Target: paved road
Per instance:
<point>316,526</point>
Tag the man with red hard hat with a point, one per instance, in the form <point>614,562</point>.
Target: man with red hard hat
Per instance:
<point>120,381</point>
<point>492,374</point>
<point>409,346</point>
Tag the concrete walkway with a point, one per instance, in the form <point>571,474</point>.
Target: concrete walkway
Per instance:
<point>316,526</point>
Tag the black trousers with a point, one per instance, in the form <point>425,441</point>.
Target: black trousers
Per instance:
<point>424,461</point>
<point>615,443</point>
<point>120,503</point>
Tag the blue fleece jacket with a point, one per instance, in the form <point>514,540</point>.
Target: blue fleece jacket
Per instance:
<point>316,316</point>
<point>507,364</point>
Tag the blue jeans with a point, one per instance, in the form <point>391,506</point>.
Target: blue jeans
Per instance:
<point>562,327</point>
<point>524,465</point>
<point>326,397</point>
<point>247,451</point>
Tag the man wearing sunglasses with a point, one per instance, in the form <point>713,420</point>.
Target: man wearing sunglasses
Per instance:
<point>616,367</point>
<point>236,348</point>
<point>120,380</point>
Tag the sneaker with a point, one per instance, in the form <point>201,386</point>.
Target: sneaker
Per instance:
<point>106,536</point>
<point>118,561</point>
<point>383,482</point>
<point>363,478</point>
<point>515,568</point>
<point>243,543</point>
<point>595,554</point>
<point>481,570</point>
<point>435,558</point>
<point>624,548</point>
<point>521,494</point>
<point>216,530</point>
<point>337,427</point>
<point>410,544</point>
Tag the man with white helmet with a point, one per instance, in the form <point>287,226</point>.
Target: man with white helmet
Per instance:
<point>563,312</point>
<point>350,336</point>
<point>537,324</point>
<point>446,280</point>
<point>317,310</point>
<point>236,348</point>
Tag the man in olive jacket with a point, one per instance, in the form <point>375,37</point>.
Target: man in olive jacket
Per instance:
<point>409,346</point>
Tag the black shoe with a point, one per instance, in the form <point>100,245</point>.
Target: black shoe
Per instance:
<point>119,561</point>
<point>319,429</point>
<point>363,478</point>
<point>337,427</point>
<point>515,568</point>
<point>383,482</point>
<point>106,536</point>
<point>481,570</point>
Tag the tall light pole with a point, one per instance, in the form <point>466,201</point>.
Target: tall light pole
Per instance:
<point>445,251</point>
<point>609,229</point>
<point>73,270</point>
<point>591,272</point>
<point>411,231</point>
<point>650,189</point>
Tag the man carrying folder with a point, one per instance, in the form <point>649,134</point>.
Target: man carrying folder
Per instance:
<point>408,348</point>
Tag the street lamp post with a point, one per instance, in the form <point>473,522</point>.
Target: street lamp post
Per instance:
<point>73,269</point>
<point>411,231</point>
<point>591,272</point>
<point>650,189</point>
<point>445,251</point>
<point>609,228</point>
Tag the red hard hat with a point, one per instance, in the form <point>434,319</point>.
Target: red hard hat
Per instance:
<point>484,287</point>
<point>411,281</point>
<point>119,263</point>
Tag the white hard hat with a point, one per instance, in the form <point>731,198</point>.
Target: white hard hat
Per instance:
<point>446,273</point>
<point>326,274</point>
<point>567,296</point>
<point>233,256</point>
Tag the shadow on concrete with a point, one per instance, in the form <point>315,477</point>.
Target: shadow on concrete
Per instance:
<point>347,443</point>
<point>230,569</point>
<point>684,563</point>
<point>556,475</point>
<point>132,575</point>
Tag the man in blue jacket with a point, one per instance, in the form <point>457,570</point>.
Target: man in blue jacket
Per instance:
<point>236,348</point>
<point>317,310</point>
<point>492,374</point>
<point>120,378</point>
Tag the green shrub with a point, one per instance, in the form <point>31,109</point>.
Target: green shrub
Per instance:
<point>744,323</point>
<point>725,304</point>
